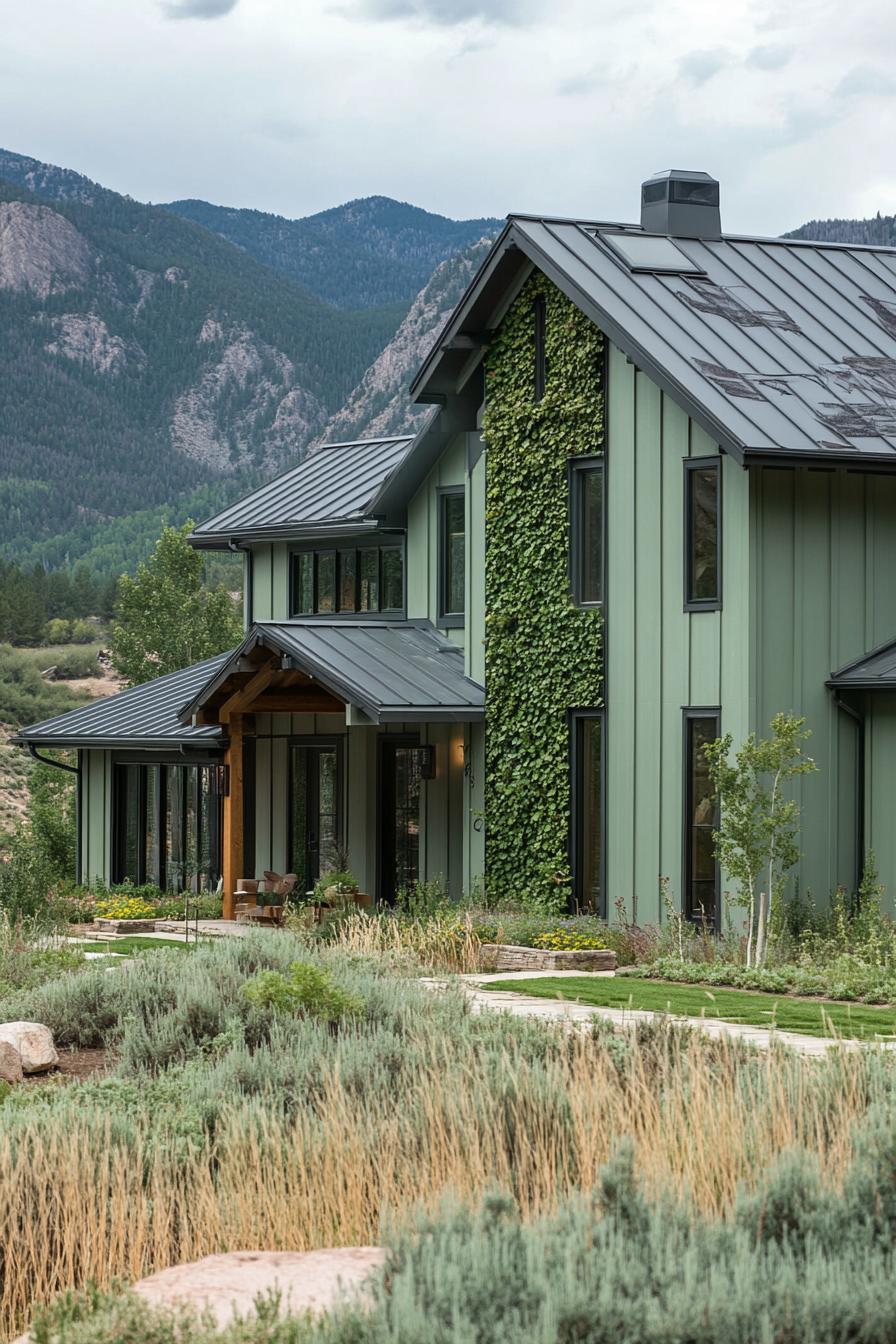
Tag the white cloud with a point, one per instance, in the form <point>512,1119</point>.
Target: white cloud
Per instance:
<point>470,107</point>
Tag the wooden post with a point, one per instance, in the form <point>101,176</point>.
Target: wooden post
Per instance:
<point>233,815</point>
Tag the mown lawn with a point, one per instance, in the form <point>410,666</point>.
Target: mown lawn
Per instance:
<point>812,1017</point>
<point>127,945</point>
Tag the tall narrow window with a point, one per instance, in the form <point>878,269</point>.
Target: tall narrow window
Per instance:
<point>304,596</point>
<point>539,311</point>
<point>392,588</point>
<point>348,572</point>
<point>452,537</point>
<point>586,516</point>
<point>370,580</point>
<point>701,871</point>
<point>588,812</point>
<point>326,581</point>
<point>702,518</point>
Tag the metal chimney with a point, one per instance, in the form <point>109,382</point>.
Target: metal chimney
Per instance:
<point>682,204</point>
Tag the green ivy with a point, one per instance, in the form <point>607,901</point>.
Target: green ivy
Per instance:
<point>543,656</point>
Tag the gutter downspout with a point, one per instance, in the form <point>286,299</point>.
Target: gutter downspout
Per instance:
<point>858,717</point>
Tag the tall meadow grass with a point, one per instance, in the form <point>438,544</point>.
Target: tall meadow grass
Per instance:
<point>225,1127</point>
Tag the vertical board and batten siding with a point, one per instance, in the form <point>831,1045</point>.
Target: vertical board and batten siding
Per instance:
<point>824,555</point>
<point>270,582</point>
<point>659,658</point>
<point>442,802</point>
<point>96,816</point>
<point>423,536</point>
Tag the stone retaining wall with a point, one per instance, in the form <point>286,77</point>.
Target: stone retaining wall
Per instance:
<point>125,925</point>
<point>505,957</point>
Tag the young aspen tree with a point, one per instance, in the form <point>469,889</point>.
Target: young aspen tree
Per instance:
<point>756,841</point>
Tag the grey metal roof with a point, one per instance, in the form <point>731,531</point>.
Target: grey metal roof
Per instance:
<point>333,487</point>
<point>144,716</point>
<point>875,671</point>
<point>779,348</point>
<point>395,671</point>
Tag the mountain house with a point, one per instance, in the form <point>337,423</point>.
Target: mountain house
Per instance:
<point>655,502</point>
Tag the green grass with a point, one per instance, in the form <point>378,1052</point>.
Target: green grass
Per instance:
<point>126,945</point>
<point>811,1017</point>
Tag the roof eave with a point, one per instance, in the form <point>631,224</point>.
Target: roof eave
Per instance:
<point>239,538</point>
<point>114,743</point>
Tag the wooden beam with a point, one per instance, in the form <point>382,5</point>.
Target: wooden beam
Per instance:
<point>243,696</point>
<point>233,815</point>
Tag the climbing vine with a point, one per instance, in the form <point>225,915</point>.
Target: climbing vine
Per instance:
<point>543,655</point>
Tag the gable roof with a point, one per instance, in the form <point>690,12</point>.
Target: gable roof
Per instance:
<point>783,350</point>
<point>874,671</point>
<point>331,490</point>
<point>144,716</point>
<point>395,671</point>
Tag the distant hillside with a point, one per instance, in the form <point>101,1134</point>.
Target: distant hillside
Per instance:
<point>877,232</point>
<point>379,404</point>
<point>366,253</point>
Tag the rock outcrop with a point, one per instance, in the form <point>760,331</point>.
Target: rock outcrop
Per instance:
<point>40,251</point>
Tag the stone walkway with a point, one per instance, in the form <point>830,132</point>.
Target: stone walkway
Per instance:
<point>554,1010</point>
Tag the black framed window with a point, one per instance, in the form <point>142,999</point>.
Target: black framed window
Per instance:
<point>168,825</point>
<point>348,580</point>
<point>315,806</point>
<point>588,825</point>
<point>702,534</point>
<point>701,870</point>
<point>586,517</point>
<point>539,312</point>
<point>452,546</point>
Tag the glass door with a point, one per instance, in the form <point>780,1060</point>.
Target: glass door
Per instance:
<point>315,810</point>
<point>400,779</point>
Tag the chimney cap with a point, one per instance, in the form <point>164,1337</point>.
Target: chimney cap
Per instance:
<point>681,203</point>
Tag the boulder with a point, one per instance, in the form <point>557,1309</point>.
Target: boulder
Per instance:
<point>228,1285</point>
<point>10,1063</point>
<point>34,1042</point>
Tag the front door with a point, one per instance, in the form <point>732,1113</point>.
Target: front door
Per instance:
<point>315,812</point>
<point>399,815</point>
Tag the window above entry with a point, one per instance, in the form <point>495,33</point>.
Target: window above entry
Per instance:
<point>350,580</point>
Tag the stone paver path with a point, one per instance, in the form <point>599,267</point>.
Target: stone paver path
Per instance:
<point>580,1014</point>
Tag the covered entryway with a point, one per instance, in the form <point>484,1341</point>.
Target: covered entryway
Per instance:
<point>346,742</point>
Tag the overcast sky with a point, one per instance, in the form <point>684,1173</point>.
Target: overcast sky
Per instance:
<point>466,107</point>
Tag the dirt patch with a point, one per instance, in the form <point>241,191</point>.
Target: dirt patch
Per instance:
<point>74,1067</point>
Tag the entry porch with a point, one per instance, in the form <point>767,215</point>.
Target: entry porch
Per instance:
<point>347,745</point>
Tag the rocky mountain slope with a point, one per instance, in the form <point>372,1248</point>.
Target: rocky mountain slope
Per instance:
<point>379,404</point>
<point>364,253</point>
<point>148,362</point>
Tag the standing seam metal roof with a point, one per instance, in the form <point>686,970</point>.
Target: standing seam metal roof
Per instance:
<point>778,347</point>
<point>335,484</point>
<point>142,716</point>
<point>393,670</point>
<point>873,671</point>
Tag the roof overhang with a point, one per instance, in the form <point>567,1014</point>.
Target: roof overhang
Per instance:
<point>497,282</point>
<point>874,671</point>
<point>276,659</point>
<point>341,527</point>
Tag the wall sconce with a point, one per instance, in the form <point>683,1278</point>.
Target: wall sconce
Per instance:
<point>426,761</point>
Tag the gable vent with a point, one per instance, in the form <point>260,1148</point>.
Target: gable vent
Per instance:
<point>681,204</point>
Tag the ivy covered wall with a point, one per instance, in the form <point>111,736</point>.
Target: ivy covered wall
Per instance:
<point>543,656</point>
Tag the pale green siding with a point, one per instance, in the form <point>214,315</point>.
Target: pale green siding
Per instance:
<point>475,633</point>
<point>96,816</point>
<point>659,658</point>
<point>423,535</point>
<point>442,802</point>
<point>824,558</point>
